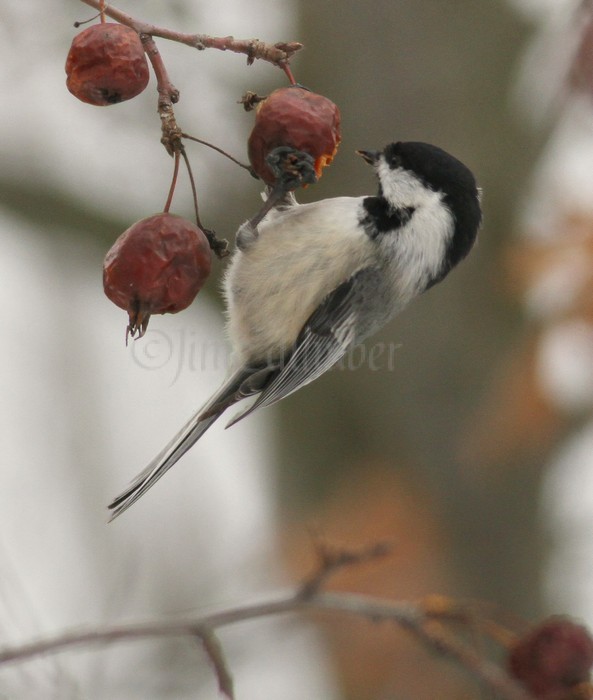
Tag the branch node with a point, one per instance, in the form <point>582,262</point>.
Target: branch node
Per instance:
<point>331,559</point>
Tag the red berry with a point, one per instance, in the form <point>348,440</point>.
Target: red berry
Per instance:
<point>106,64</point>
<point>296,117</point>
<point>552,658</point>
<point>157,266</point>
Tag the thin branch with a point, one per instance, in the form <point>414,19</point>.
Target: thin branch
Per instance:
<point>164,85</point>
<point>430,632</point>
<point>409,616</point>
<point>278,54</point>
<point>145,630</point>
<point>331,559</point>
<point>168,96</point>
<point>220,246</point>
<point>425,620</point>
<point>222,152</point>
<point>213,648</point>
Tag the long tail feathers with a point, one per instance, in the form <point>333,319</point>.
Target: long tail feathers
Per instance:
<point>179,445</point>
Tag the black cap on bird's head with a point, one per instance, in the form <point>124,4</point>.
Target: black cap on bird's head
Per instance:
<point>440,172</point>
<point>434,167</point>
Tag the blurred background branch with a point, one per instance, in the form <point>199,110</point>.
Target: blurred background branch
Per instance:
<point>423,620</point>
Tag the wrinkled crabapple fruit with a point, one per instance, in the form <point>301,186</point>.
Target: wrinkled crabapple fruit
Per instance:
<point>157,266</point>
<point>106,64</point>
<point>552,658</point>
<point>296,117</point>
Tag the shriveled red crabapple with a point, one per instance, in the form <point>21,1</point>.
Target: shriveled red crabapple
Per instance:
<point>296,117</point>
<point>156,266</point>
<point>106,64</point>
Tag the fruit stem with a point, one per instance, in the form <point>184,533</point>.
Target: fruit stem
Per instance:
<point>286,68</point>
<point>173,184</point>
<point>192,182</point>
<point>219,246</point>
<point>224,153</point>
<point>102,11</point>
<point>79,23</point>
<point>291,169</point>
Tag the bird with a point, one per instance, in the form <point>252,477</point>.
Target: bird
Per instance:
<point>310,281</point>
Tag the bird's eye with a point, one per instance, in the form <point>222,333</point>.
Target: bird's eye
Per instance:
<point>393,157</point>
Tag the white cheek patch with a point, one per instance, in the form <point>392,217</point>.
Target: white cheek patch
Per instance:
<point>426,241</point>
<point>420,246</point>
<point>420,251</point>
<point>403,189</point>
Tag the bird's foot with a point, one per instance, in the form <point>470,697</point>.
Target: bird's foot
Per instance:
<point>292,169</point>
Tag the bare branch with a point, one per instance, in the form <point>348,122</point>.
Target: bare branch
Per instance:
<point>430,632</point>
<point>425,620</point>
<point>168,96</point>
<point>144,630</point>
<point>407,615</point>
<point>278,54</point>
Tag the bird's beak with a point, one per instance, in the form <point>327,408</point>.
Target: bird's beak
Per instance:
<point>371,157</point>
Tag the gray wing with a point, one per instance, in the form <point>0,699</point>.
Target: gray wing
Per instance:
<point>325,338</point>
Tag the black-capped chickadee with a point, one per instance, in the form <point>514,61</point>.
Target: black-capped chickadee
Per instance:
<point>312,280</point>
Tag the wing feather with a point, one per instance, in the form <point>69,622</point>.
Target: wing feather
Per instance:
<point>325,338</point>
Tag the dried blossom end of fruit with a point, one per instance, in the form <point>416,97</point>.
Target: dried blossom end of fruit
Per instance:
<point>156,266</point>
<point>297,118</point>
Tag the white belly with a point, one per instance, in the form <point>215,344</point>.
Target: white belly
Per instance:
<point>275,285</point>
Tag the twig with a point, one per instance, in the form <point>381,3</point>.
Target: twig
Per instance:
<point>215,652</point>
<point>411,618</point>
<point>168,96</point>
<point>331,559</point>
<point>145,630</point>
<point>278,54</point>
<point>220,246</point>
<point>249,169</point>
